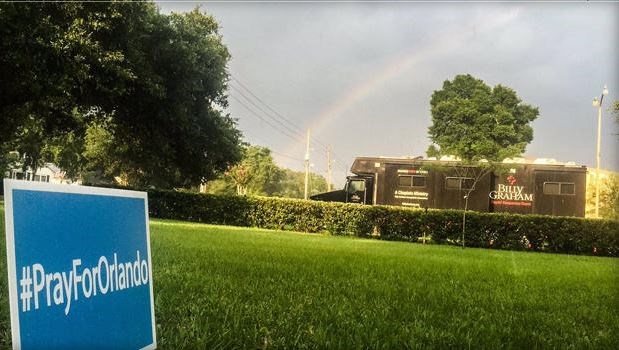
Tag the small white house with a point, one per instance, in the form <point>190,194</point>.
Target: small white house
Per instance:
<point>49,172</point>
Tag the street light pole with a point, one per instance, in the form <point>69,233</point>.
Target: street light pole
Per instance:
<point>307,166</point>
<point>598,103</point>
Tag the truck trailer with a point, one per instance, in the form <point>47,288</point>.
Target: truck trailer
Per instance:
<point>521,187</point>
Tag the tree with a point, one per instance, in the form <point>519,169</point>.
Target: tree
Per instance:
<point>473,121</point>
<point>265,174</point>
<point>53,67</point>
<point>102,155</point>
<point>155,83</point>
<point>256,174</point>
<point>479,125</point>
<point>171,123</point>
<point>293,184</point>
<point>9,159</point>
<point>609,196</point>
<point>241,174</point>
<point>615,111</point>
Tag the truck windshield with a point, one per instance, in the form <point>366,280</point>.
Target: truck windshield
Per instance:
<point>356,186</point>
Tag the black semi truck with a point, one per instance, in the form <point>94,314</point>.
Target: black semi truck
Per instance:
<point>520,187</point>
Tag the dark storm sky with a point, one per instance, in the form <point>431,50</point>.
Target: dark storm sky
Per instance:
<point>360,75</point>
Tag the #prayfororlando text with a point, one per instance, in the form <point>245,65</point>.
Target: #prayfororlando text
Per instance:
<point>59,287</point>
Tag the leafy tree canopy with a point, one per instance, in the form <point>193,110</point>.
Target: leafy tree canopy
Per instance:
<point>255,174</point>
<point>474,121</point>
<point>293,184</point>
<point>117,88</point>
<point>258,174</point>
<point>261,174</point>
<point>609,197</point>
<point>615,111</point>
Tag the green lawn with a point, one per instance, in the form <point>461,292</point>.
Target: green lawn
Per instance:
<point>227,287</point>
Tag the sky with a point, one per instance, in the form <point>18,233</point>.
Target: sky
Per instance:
<point>360,75</point>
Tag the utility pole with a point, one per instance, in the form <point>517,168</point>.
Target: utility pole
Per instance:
<point>307,164</point>
<point>329,170</point>
<point>598,103</point>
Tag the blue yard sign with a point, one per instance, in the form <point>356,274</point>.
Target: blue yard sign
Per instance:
<point>79,264</point>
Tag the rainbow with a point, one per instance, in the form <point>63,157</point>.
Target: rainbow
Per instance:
<point>445,43</point>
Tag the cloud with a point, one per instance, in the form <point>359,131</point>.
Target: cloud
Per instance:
<point>361,75</point>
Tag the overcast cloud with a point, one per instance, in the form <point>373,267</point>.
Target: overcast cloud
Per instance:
<point>361,75</point>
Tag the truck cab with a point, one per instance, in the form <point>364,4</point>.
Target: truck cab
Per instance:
<point>358,189</point>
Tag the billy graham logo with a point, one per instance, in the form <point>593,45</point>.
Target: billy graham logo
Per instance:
<point>511,192</point>
<point>511,179</point>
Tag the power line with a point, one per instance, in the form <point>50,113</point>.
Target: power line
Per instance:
<point>266,104</point>
<point>252,112</point>
<point>279,118</point>
<point>267,114</point>
<point>279,115</point>
<point>270,148</point>
<point>287,155</point>
<point>274,127</point>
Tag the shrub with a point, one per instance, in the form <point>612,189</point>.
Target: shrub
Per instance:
<point>486,230</point>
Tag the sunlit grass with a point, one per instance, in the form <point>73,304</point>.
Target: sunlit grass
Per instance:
<point>295,290</point>
<point>228,287</point>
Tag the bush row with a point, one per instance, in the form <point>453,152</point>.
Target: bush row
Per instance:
<point>489,230</point>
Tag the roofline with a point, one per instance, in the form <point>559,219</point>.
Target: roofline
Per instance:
<point>413,160</point>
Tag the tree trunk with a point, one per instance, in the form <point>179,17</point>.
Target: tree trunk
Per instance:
<point>466,205</point>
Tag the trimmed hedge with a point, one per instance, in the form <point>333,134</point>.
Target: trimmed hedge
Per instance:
<point>487,230</point>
